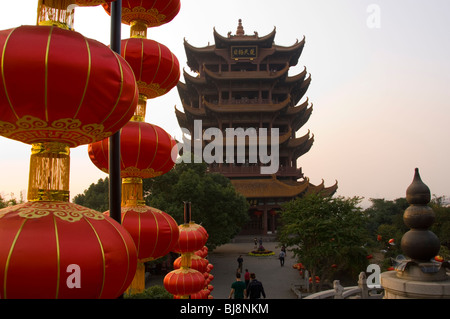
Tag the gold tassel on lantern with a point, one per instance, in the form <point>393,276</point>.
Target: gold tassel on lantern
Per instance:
<point>56,12</point>
<point>138,283</point>
<point>139,113</point>
<point>49,172</point>
<point>138,29</point>
<point>132,192</point>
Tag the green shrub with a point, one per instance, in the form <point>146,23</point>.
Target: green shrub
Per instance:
<point>153,292</point>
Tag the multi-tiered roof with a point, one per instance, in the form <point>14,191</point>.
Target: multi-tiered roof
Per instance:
<point>243,81</point>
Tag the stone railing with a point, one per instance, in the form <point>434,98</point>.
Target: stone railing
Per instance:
<point>362,291</point>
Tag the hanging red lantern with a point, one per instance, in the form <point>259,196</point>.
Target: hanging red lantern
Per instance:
<point>154,232</point>
<point>145,151</point>
<point>63,250</point>
<point>202,294</point>
<point>192,237</point>
<point>184,282</point>
<point>156,68</point>
<point>202,252</point>
<point>379,237</point>
<point>44,68</point>
<point>197,263</point>
<point>147,13</point>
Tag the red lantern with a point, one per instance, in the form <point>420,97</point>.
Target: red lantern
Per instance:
<point>379,237</point>
<point>202,252</point>
<point>151,13</point>
<point>145,151</point>
<point>197,263</point>
<point>156,68</point>
<point>184,281</point>
<point>192,237</point>
<point>154,232</point>
<point>44,68</point>
<point>63,250</point>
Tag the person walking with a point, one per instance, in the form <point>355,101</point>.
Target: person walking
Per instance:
<point>240,261</point>
<point>281,257</point>
<point>246,277</point>
<point>255,288</point>
<point>238,288</point>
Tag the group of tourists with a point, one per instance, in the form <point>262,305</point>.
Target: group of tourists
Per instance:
<point>251,288</point>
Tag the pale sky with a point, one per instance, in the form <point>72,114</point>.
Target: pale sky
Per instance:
<point>380,87</point>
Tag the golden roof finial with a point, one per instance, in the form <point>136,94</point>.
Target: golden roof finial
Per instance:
<point>240,29</point>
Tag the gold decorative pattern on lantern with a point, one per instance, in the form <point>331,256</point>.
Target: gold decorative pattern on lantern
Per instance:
<point>62,210</point>
<point>30,129</point>
<point>152,17</point>
<point>151,90</point>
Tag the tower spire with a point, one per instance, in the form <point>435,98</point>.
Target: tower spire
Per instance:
<point>240,28</point>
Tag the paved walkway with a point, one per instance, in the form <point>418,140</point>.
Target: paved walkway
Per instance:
<point>276,280</point>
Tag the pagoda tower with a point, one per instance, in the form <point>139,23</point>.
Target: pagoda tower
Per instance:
<point>242,82</point>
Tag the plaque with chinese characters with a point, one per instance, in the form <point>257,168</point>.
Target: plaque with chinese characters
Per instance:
<point>244,52</point>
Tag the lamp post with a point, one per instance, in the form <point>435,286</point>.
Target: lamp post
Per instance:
<point>115,186</point>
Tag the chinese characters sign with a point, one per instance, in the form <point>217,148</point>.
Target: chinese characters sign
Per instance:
<point>244,52</point>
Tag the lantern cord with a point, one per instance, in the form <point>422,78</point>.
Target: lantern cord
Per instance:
<point>187,212</point>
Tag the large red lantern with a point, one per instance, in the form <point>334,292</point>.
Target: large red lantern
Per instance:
<point>58,90</point>
<point>156,68</point>
<point>57,85</point>
<point>143,14</point>
<point>184,282</point>
<point>145,151</point>
<point>53,249</point>
<point>154,232</point>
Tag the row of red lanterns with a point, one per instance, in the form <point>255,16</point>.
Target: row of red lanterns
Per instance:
<point>189,279</point>
<point>145,149</point>
<point>56,66</point>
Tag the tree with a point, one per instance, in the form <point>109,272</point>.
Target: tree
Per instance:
<point>215,203</point>
<point>441,226</point>
<point>12,201</point>
<point>95,197</point>
<point>323,231</point>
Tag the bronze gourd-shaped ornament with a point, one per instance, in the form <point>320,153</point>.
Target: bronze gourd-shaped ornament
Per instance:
<point>419,243</point>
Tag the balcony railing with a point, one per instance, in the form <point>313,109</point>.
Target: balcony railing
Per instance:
<point>242,170</point>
